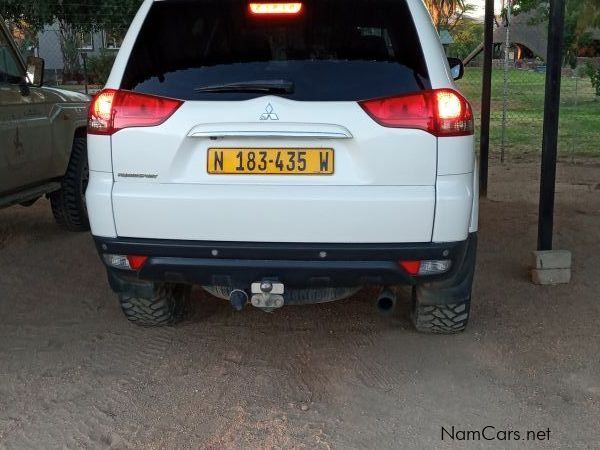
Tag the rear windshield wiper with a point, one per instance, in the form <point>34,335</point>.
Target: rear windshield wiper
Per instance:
<point>257,86</point>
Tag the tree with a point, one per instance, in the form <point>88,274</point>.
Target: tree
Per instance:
<point>72,17</point>
<point>447,14</point>
<point>467,34</point>
<point>81,14</point>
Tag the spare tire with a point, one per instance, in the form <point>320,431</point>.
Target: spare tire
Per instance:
<point>301,296</point>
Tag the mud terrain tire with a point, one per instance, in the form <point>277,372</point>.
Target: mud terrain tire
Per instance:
<point>441,319</point>
<point>168,306</point>
<point>68,203</point>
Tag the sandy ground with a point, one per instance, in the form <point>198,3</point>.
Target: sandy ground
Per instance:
<point>75,374</point>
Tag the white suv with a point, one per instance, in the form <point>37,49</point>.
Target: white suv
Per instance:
<point>284,153</point>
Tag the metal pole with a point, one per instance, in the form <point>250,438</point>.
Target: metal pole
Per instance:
<point>85,74</point>
<point>550,133</point>
<point>486,94</point>
<point>574,139</point>
<point>505,86</point>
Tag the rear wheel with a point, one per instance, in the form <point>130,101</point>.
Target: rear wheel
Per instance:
<point>441,319</point>
<point>169,304</point>
<point>68,203</point>
<point>444,307</point>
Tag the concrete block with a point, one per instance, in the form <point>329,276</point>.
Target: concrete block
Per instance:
<point>550,276</point>
<point>551,259</point>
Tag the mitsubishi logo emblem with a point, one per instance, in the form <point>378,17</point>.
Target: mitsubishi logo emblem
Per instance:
<point>269,114</point>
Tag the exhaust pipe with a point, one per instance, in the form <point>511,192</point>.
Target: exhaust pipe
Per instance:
<point>238,299</point>
<point>386,302</point>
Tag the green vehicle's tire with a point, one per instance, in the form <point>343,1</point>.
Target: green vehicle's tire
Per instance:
<point>68,203</point>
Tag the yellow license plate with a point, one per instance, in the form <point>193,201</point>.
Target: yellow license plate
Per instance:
<point>270,161</point>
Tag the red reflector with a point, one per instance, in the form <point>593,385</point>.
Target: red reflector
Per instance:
<point>112,110</point>
<point>441,112</point>
<point>136,262</point>
<point>275,8</point>
<point>412,267</point>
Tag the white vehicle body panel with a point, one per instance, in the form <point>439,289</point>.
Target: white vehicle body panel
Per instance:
<point>99,203</point>
<point>453,207</point>
<point>374,156</point>
<point>474,225</point>
<point>99,154</point>
<point>263,213</point>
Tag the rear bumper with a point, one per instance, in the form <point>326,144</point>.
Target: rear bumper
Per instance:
<point>239,264</point>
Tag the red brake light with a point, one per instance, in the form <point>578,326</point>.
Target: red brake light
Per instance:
<point>136,262</point>
<point>275,8</point>
<point>441,112</point>
<point>112,110</point>
<point>411,267</point>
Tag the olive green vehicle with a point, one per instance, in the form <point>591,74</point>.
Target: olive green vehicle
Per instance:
<point>43,150</point>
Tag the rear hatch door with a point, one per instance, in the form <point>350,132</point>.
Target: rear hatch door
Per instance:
<point>264,97</point>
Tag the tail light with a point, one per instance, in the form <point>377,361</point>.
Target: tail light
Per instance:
<point>113,110</point>
<point>441,112</point>
<point>426,267</point>
<point>125,262</point>
<point>275,8</point>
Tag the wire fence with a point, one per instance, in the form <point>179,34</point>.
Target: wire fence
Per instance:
<point>517,112</point>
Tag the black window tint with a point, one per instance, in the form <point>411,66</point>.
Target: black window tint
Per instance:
<point>334,50</point>
<point>10,68</point>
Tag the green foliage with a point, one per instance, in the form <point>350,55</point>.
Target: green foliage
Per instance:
<point>70,52</point>
<point>595,79</point>
<point>580,17</point>
<point>98,67</point>
<point>593,71</point>
<point>446,14</point>
<point>82,15</point>
<point>467,35</point>
<point>71,17</point>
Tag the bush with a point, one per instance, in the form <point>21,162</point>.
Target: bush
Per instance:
<point>593,71</point>
<point>99,66</point>
<point>71,58</point>
<point>467,35</point>
<point>595,78</point>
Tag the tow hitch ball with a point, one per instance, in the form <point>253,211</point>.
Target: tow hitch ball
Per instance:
<point>267,295</point>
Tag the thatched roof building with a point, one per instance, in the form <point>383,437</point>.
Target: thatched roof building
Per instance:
<point>530,38</point>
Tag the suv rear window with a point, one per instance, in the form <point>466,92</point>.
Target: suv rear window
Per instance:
<point>333,50</point>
